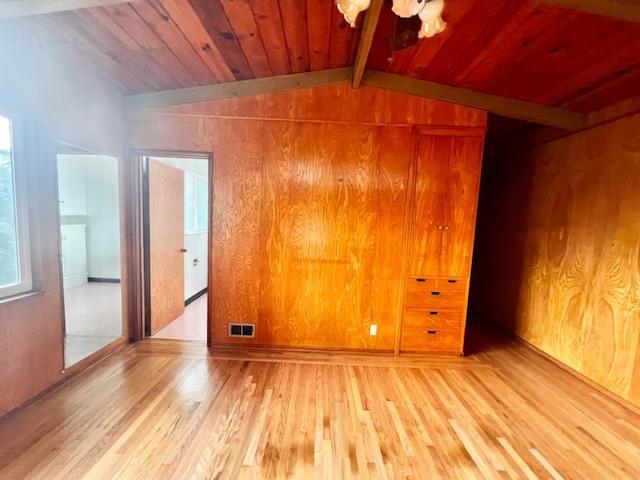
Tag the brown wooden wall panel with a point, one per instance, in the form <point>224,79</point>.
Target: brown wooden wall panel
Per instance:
<point>559,247</point>
<point>308,215</point>
<point>327,269</point>
<point>340,103</point>
<point>235,229</point>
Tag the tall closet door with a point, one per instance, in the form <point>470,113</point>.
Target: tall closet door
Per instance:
<point>432,165</point>
<point>460,203</point>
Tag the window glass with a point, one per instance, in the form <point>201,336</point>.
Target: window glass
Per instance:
<point>202,204</point>
<point>189,203</point>
<point>15,275</point>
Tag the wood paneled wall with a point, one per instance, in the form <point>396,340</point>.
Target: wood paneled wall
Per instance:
<point>309,191</point>
<point>557,257</point>
<point>57,101</point>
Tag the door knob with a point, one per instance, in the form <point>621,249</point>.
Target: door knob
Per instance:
<point>183,250</point>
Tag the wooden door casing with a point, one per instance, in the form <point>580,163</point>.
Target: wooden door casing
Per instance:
<point>166,241</point>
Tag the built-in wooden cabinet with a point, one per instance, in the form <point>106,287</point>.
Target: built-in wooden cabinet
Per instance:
<point>447,174</point>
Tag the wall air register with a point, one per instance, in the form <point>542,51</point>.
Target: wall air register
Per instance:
<point>247,330</point>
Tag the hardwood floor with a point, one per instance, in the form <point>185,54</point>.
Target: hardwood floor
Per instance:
<point>172,410</point>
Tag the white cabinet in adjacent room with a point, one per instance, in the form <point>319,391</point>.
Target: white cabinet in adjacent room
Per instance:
<point>74,255</point>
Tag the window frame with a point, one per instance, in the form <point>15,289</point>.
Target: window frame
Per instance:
<point>23,243</point>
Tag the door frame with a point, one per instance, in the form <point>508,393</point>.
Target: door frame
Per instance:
<point>137,295</point>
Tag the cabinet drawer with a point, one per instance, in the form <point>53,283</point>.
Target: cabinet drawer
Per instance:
<point>427,293</point>
<point>432,319</point>
<point>437,339</point>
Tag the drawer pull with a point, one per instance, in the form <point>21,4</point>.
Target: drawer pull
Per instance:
<point>435,293</point>
<point>421,279</point>
<point>431,332</point>
<point>433,313</point>
<point>452,281</point>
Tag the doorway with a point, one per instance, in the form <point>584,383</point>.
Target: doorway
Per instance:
<point>175,234</point>
<point>89,219</point>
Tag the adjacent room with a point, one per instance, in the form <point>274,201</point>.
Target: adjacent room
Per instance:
<point>335,239</point>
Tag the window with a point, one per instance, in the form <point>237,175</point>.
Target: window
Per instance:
<point>196,203</point>
<point>15,265</point>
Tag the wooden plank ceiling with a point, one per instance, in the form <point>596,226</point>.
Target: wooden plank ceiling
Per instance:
<point>519,49</point>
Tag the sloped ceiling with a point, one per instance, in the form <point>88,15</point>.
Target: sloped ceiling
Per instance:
<point>518,49</point>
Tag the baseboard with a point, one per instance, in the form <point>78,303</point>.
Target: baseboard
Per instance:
<point>193,298</point>
<point>103,280</point>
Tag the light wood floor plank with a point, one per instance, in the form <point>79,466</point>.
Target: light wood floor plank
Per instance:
<point>177,410</point>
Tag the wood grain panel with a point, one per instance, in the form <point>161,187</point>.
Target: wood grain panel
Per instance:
<point>560,251</point>
<point>429,211</point>
<point>215,21</point>
<point>319,32</point>
<point>340,103</point>
<point>319,236</point>
<point>461,199</point>
<point>270,24</point>
<point>158,20</point>
<point>185,18</point>
<point>235,230</point>
<point>310,214</point>
<point>166,240</point>
<point>245,29</point>
<point>129,20</point>
<point>294,22</point>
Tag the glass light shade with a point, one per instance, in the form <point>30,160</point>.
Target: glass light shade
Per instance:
<point>351,8</point>
<point>431,16</point>
<point>407,8</point>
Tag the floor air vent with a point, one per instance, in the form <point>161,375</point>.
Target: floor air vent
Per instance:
<point>242,330</point>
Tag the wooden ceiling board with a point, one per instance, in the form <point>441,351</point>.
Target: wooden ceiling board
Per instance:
<point>245,29</point>
<point>617,89</point>
<point>215,21</point>
<point>156,17</point>
<point>599,63</point>
<point>514,51</point>
<point>186,19</point>
<point>454,45</point>
<point>340,41</point>
<point>129,20</point>
<point>119,39</point>
<point>294,19</point>
<point>97,49</point>
<point>435,56</point>
<point>269,21</point>
<point>501,30</point>
<point>319,27</point>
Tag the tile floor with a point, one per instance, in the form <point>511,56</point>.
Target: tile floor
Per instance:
<point>93,319</point>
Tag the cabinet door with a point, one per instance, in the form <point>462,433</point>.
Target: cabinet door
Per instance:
<point>71,185</point>
<point>428,211</point>
<point>460,202</point>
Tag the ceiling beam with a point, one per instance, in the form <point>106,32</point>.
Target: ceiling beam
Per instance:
<point>243,88</point>
<point>25,8</point>
<point>628,10</point>
<point>364,47</point>
<point>531,112</point>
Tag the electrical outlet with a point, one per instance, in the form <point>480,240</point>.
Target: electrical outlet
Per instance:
<point>373,329</point>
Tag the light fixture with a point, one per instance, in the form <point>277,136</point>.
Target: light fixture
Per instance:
<point>351,8</point>
<point>429,11</point>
